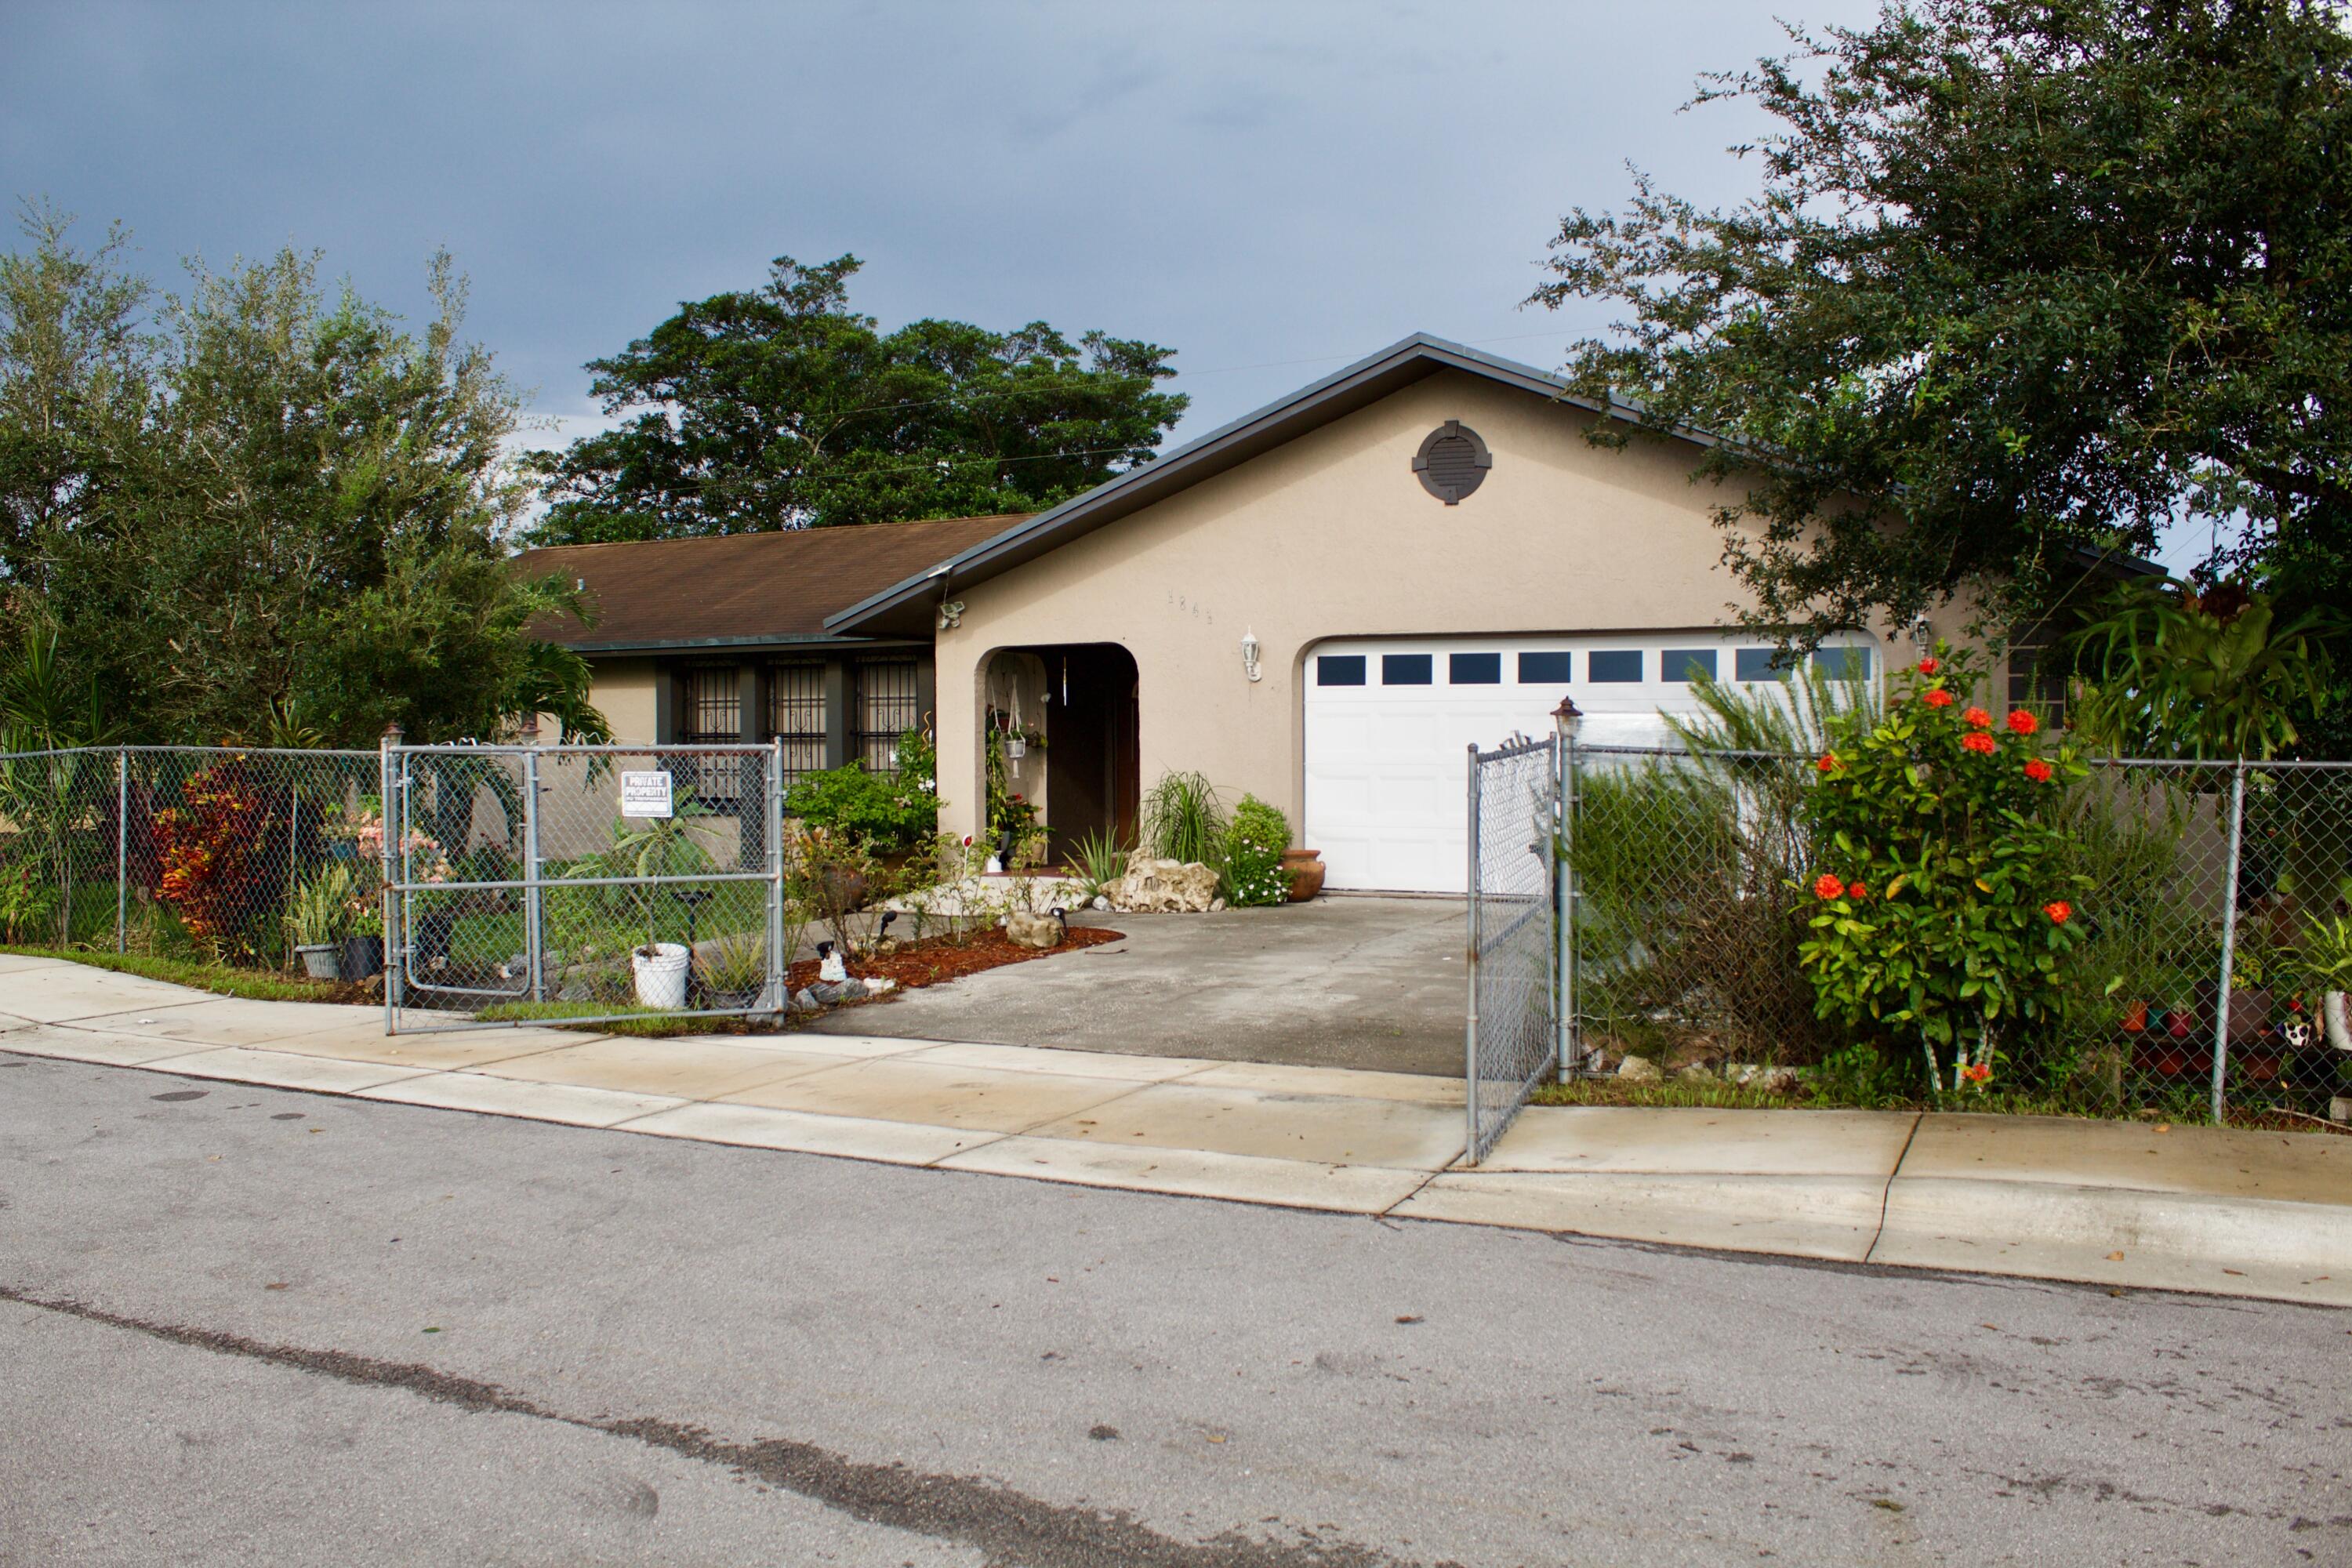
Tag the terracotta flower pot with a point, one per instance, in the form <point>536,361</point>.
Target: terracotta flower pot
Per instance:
<point>1306,870</point>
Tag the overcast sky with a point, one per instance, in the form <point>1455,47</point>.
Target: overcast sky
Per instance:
<point>1270,189</point>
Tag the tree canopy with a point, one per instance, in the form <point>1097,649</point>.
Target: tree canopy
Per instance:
<point>779,407</point>
<point>255,512</point>
<point>2026,278</point>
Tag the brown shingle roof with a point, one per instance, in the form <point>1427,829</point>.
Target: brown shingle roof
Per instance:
<point>743,587</point>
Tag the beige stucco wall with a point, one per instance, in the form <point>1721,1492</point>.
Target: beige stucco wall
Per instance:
<point>1332,535</point>
<point>624,691</point>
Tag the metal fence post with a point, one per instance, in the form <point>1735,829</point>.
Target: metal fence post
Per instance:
<point>293,858</point>
<point>1470,964</point>
<point>779,961</point>
<point>122,846</point>
<point>534,914</point>
<point>2229,939</point>
<point>388,816</point>
<point>1568,1043</point>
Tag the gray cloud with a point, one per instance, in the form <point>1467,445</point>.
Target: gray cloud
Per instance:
<point>1279,187</point>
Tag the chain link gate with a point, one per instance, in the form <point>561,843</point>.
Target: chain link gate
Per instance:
<point>1514,930</point>
<point>592,882</point>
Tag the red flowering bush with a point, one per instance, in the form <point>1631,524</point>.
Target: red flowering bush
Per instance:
<point>1967,938</point>
<point>2023,722</point>
<point>221,852</point>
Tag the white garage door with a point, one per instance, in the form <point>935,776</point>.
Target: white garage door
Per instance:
<point>1389,722</point>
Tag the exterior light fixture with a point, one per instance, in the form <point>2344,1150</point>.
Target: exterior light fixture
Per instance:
<point>1249,655</point>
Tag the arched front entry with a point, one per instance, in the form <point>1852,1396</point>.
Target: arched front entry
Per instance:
<point>1070,711</point>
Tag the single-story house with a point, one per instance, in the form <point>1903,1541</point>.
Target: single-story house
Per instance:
<point>1324,604</point>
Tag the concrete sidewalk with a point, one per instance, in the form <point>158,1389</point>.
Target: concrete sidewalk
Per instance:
<point>2206,1209</point>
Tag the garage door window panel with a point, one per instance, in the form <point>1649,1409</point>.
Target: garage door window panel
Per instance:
<point>1547,669</point>
<point>1339,670</point>
<point>1687,664</point>
<point>1407,669</point>
<point>1473,668</point>
<point>1615,666</point>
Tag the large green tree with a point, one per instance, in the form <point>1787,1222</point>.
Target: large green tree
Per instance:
<point>2026,277</point>
<point>779,407</point>
<point>261,512</point>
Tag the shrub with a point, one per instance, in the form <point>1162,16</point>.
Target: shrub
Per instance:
<point>222,853</point>
<point>1183,820</point>
<point>1255,841</point>
<point>889,812</point>
<point>1945,901</point>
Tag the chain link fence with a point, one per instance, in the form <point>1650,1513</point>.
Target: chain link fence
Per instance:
<point>2212,980</point>
<point>1514,936</point>
<point>210,853</point>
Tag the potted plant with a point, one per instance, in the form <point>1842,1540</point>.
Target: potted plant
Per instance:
<point>362,948</point>
<point>2324,955</point>
<point>646,849</point>
<point>316,918</point>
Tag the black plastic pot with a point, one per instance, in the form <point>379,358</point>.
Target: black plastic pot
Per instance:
<point>361,957</point>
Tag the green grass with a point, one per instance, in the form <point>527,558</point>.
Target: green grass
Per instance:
<point>1814,1095</point>
<point>212,977</point>
<point>619,1018</point>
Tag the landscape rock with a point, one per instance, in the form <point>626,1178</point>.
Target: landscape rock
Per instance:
<point>1033,930</point>
<point>1764,1077</point>
<point>1696,1072</point>
<point>1102,904</point>
<point>1639,1070</point>
<point>1166,887</point>
<point>1216,905</point>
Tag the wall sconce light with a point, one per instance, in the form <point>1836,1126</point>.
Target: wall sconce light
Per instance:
<point>1249,655</point>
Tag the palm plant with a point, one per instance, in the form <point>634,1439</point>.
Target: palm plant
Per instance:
<point>1183,820</point>
<point>1098,860</point>
<point>2172,672</point>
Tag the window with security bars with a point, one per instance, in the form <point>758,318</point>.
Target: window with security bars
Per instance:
<point>710,713</point>
<point>886,708</point>
<point>796,716</point>
<point>712,710</point>
<point>2033,682</point>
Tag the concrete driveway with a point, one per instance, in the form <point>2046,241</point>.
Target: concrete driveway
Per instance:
<point>1340,982</point>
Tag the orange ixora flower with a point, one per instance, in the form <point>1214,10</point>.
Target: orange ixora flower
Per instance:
<point>2023,722</point>
<point>1936,696</point>
<point>1930,665</point>
<point>1979,742</point>
<point>1976,718</point>
<point>2037,769</point>
<point>1829,763</point>
<point>2059,911</point>
<point>1978,1073</point>
<point>1857,890</point>
<point>1828,884</point>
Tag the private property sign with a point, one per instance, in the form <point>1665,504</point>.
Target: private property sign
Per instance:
<point>645,794</point>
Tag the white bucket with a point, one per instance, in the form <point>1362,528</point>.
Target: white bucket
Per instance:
<point>661,980</point>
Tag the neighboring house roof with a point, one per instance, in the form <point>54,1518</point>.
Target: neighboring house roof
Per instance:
<point>742,589</point>
<point>904,608</point>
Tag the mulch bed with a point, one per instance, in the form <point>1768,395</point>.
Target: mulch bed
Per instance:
<point>939,958</point>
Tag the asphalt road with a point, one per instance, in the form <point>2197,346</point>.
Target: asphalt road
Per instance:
<point>253,1327</point>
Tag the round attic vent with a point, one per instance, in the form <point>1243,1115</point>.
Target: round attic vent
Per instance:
<point>1451,461</point>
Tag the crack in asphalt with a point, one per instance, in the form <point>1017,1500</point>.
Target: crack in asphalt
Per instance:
<point>1009,1526</point>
